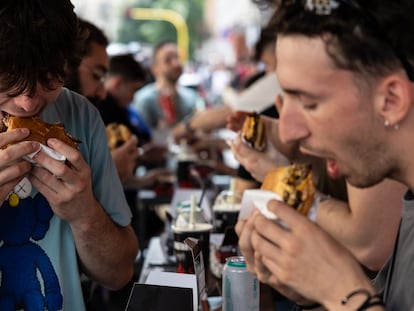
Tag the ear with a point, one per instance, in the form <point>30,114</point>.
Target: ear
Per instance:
<point>396,98</point>
<point>153,69</point>
<point>117,81</point>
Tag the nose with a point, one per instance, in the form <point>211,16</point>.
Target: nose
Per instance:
<point>101,92</point>
<point>292,122</point>
<point>24,102</point>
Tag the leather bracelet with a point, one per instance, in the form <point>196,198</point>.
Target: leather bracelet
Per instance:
<point>370,301</point>
<point>308,307</point>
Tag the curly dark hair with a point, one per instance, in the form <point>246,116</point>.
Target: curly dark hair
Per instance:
<point>38,39</point>
<point>369,37</point>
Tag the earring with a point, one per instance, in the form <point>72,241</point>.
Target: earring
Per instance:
<point>387,123</point>
<point>396,127</point>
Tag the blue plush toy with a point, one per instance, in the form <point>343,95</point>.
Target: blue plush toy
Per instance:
<point>22,260</point>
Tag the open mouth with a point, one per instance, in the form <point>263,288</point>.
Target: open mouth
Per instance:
<point>3,117</point>
<point>332,168</point>
<point>3,114</point>
<point>331,164</point>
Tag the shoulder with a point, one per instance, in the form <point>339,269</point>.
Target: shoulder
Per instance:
<point>79,116</point>
<point>187,95</point>
<point>186,91</point>
<point>69,105</point>
<point>148,90</point>
<point>188,98</point>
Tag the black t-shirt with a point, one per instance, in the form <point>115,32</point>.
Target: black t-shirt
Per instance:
<point>111,112</point>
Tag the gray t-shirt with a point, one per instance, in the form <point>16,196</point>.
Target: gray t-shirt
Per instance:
<point>395,279</point>
<point>146,103</point>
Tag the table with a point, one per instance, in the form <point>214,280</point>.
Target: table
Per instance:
<point>156,259</point>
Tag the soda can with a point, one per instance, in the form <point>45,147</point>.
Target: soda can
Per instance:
<point>241,290</point>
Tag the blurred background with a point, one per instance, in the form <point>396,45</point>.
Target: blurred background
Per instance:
<point>210,33</point>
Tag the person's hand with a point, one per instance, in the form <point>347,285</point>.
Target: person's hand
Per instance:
<point>244,230</point>
<point>154,175</point>
<point>147,180</point>
<point>208,146</point>
<point>12,167</point>
<point>235,120</point>
<point>297,259</point>
<point>153,153</point>
<point>67,186</point>
<point>256,162</point>
<point>125,158</point>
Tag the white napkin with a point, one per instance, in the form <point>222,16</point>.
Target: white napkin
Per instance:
<point>257,198</point>
<point>49,151</point>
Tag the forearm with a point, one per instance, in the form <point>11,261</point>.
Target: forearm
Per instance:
<point>210,119</point>
<point>336,218</point>
<point>204,121</point>
<point>369,224</point>
<point>106,250</point>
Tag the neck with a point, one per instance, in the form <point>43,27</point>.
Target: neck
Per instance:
<point>166,87</point>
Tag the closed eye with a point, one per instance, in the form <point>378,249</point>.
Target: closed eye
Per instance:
<point>310,106</point>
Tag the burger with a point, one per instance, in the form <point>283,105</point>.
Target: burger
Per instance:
<point>294,184</point>
<point>253,132</point>
<point>117,135</point>
<point>39,131</point>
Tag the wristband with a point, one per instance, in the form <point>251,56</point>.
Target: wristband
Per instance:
<point>370,301</point>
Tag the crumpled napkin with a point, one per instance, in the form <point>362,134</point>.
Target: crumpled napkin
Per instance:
<point>257,198</point>
<point>49,151</point>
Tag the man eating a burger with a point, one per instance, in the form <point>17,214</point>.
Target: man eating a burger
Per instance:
<point>347,71</point>
<point>60,216</point>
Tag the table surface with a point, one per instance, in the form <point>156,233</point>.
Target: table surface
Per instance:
<point>155,259</point>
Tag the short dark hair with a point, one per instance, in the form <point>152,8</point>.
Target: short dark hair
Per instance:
<point>126,66</point>
<point>90,34</point>
<point>370,37</point>
<point>38,38</point>
<point>266,38</point>
<point>159,46</point>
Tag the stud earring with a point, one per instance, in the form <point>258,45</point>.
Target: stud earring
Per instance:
<point>396,127</point>
<point>387,123</point>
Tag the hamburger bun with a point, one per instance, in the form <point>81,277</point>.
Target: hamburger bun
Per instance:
<point>117,134</point>
<point>39,131</point>
<point>253,132</point>
<point>294,183</point>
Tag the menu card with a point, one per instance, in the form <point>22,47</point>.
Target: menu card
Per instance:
<point>165,291</point>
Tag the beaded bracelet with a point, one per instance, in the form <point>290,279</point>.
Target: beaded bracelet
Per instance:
<point>370,301</point>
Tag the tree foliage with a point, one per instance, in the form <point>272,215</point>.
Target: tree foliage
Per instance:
<point>146,31</point>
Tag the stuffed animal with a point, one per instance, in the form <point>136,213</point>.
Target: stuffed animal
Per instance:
<point>22,261</point>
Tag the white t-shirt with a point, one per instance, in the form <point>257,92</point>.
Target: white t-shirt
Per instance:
<point>259,96</point>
